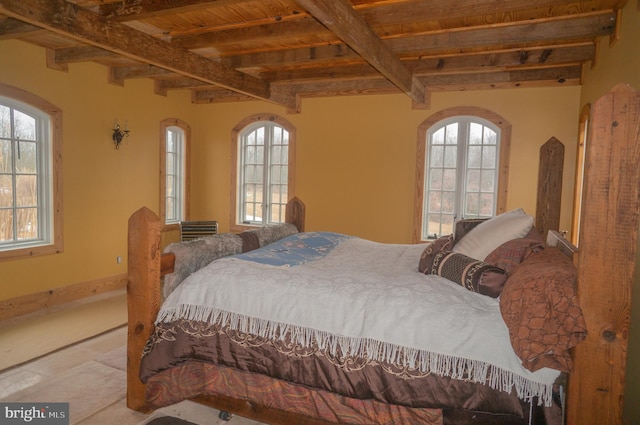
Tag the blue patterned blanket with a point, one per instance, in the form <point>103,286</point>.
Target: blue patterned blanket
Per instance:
<point>295,249</point>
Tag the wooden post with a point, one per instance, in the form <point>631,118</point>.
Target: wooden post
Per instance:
<point>295,213</point>
<point>143,297</point>
<point>549,186</point>
<point>607,255</point>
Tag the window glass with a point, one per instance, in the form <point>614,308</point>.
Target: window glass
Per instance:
<point>174,164</point>
<point>462,168</point>
<point>28,183</point>
<point>264,171</point>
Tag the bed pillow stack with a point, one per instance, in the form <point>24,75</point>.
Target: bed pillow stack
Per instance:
<point>540,307</point>
<point>482,260</point>
<point>487,236</point>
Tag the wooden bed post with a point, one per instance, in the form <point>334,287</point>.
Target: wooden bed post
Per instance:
<point>549,186</point>
<point>143,297</point>
<point>295,213</point>
<point>607,256</point>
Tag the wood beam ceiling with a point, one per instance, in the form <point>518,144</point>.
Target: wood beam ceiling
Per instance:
<point>67,19</point>
<point>285,50</point>
<point>351,28</point>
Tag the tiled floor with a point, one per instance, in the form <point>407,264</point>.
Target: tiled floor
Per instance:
<point>91,377</point>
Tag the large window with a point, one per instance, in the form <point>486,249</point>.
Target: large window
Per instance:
<point>461,172</point>
<point>30,181</point>
<point>264,157</point>
<point>174,166</point>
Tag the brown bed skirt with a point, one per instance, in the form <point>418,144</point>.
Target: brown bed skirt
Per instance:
<point>186,359</point>
<point>197,379</point>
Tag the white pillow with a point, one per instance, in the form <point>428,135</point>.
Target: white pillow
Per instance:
<point>490,234</point>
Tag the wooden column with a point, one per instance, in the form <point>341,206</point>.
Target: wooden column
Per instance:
<point>295,213</point>
<point>143,297</point>
<point>549,186</point>
<point>607,254</point>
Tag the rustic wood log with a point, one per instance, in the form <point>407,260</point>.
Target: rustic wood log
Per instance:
<point>549,186</point>
<point>295,213</point>
<point>143,297</point>
<point>607,257</point>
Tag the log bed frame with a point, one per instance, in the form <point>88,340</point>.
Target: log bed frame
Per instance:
<point>605,263</point>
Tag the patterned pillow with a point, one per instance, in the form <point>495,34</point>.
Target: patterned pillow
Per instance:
<point>510,254</point>
<point>440,244</point>
<point>540,307</point>
<point>472,274</point>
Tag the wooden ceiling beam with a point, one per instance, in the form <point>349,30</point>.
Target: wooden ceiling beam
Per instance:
<point>77,23</point>
<point>548,77</point>
<point>118,74</point>
<point>553,76</point>
<point>217,95</point>
<point>287,30</point>
<point>457,64</point>
<point>13,28</point>
<point>441,10</point>
<point>339,17</point>
<point>82,53</point>
<point>143,9</point>
<point>533,77</point>
<point>292,57</point>
<point>571,28</point>
<point>161,87</point>
<point>518,35</point>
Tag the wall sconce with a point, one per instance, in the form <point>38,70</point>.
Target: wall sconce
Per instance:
<point>118,134</point>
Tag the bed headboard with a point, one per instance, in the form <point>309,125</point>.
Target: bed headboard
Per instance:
<point>295,213</point>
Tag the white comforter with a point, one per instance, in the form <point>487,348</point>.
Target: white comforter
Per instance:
<point>364,298</point>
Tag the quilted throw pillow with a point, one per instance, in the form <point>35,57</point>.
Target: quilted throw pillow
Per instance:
<point>472,274</point>
<point>440,244</point>
<point>540,308</point>
<point>511,253</point>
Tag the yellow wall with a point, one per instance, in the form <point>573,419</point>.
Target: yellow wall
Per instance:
<point>356,155</point>
<point>620,63</point>
<point>102,186</point>
<point>355,159</point>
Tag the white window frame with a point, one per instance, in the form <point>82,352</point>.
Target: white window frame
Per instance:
<point>174,168</point>
<point>460,191</point>
<point>267,209</point>
<point>175,175</point>
<point>499,171</point>
<point>48,118</point>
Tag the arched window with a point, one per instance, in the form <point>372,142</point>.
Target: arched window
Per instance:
<point>264,155</point>
<point>462,169</point>
<point>174,174</point>
<point>30,175</point>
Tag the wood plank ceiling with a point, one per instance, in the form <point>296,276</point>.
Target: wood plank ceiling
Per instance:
<point>284,50</point>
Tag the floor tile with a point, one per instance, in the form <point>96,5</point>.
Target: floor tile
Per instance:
<point>107,341</point>
<point>24,339</point>
<point>60,361</point>
<point>116,413</point>
<point>18,379</point>
<point>87,388</point>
